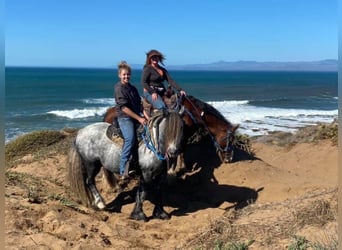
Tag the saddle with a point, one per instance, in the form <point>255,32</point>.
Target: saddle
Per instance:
<point>114,133</point>
<point>170,100</point>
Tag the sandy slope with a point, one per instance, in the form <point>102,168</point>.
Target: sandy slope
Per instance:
<point>274,177</point>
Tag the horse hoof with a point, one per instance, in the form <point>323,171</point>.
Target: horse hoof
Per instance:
<point>162,216</point>
<point>138,216</point>
<point>100,205</point>
<point>114,209</point>
<point>228,160</point>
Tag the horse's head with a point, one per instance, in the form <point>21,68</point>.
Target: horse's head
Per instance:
<point>223,136</point>
<point>173,134</point>
<point>168,133</point>
<point>227,152</point>
<point>218,127</point>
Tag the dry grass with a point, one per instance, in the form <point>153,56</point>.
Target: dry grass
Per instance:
<point>39,144</point>
<point>243,142</point>
<point>241,228</point>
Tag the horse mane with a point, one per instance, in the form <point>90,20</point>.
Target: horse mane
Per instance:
<point>207,108</point>
<point>174,125</point>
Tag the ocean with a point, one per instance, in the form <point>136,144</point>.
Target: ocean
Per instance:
<point>261,102</point>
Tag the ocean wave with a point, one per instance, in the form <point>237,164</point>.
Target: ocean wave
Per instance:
<point>253,120</point>
<point>104,101</point>
<point>80,113</point>
<point>261,120</point>
<point>227,104</point>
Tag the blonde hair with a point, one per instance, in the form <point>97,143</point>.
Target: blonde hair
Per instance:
<point>123,65</point>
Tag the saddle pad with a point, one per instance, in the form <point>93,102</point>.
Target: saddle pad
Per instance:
<point>114,134</point>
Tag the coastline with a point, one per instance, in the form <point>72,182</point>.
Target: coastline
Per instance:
<point>260,102</point>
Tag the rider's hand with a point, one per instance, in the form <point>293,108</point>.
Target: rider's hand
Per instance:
<point>154,96</point>
<point>142,120</point>
<point>182,92</point>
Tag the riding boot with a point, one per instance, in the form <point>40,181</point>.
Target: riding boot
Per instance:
<point>124,178</point>
<point>130,169</point>
<point>147,108</point>
<point>126,172</point>
<point>147,114</point>
<point>134,167</point>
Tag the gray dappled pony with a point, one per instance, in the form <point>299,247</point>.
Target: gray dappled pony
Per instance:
<point>92,150</point>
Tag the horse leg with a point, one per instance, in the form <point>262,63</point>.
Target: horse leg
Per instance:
<point>176,166</point>
<point>158,211</point>
<point>138,213</point>
<point>92,171</point>
<point>172,166</point>
<point>181,168</point>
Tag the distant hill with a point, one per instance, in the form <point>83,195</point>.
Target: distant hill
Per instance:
<point>323,65</point>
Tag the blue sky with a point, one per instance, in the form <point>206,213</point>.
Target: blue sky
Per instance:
<point>75,33</point>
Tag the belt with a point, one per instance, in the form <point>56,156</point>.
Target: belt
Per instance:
<point>158,88</point>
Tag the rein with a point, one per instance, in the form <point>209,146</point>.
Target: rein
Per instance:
<point>213,138</point>
<point>148,140</point>
<point>200,114</point>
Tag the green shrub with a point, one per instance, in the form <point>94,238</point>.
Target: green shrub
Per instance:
<point>328,132</point>
<point>31,143</point>
<point>300,243</point>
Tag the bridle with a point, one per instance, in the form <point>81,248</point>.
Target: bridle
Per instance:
<point>226,153</point>
<point>228,150</point>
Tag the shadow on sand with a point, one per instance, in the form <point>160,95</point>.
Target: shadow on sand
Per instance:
<point>198,189</point>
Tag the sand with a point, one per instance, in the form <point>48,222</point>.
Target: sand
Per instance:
<point>269,184</point>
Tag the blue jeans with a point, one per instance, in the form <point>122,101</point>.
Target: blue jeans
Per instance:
<point>130,145</point>
<point>158,104</point>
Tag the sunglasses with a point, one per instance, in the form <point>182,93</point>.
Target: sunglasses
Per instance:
<point>155,57</point>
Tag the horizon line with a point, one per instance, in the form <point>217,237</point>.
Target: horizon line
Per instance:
<point>186,66</point>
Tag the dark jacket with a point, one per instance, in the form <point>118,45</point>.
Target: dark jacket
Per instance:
<point>127,96</point>
<point>152,81</point>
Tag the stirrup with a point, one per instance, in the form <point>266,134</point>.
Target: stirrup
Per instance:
<point>125,177</point>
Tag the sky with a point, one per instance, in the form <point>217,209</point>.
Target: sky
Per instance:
<point>84,33</point>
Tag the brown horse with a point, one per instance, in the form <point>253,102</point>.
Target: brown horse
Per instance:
<point>221,131</point>
<point>199,116</point>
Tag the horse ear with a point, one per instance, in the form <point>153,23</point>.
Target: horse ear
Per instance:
<point>235,127</point>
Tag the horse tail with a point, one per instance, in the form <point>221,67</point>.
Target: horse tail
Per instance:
<point>109,177</point>
<point>77,177</point>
